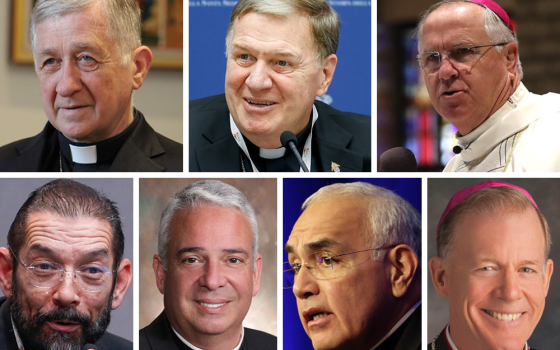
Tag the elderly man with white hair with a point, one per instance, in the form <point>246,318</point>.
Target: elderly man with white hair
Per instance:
<point>89,60</point>
<point>470,63</point>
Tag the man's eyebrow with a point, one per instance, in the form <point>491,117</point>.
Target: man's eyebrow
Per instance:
<point>321,244</point>
<point>80,46</point>
<point>235,251</point>
<point>38,248</point>
<point>189,250</point>
<point>102,252</point>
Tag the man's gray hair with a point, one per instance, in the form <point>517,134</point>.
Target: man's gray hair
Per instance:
<point>325,23</point>
<point>495,28</point>
<point>488,201</point>
<point>200,193</point>
<point>391,219</point>
<point>122,17</point>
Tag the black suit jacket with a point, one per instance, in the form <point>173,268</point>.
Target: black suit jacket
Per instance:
<point>159,336</point>
<point>340,137</point>
<point>144,150</point>
<point>442,344</point>
<point>8,339</point>
<point>407,336</point>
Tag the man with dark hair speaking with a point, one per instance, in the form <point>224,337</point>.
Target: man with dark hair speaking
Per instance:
<point>89,60</point>
<point>280,55</point>
<point>63,271</point>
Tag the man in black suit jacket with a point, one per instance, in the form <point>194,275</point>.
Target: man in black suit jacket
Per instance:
<point>274,72</point>
<point>355,274</point>
<point>208,270</point>
<point>87,82</point>
<point>60,295</point>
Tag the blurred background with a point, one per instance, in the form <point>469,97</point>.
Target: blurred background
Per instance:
<point>261,193</point>
<point>405,116</point>
<point>160,98</point>
<point>545,192</point>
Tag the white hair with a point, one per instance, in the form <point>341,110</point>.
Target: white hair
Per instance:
<point>494,27</point>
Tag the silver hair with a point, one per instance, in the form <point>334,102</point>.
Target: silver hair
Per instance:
<point>494,27</point>
<point>391,219</point>
<point>205,192</point>
<point>324,21</point>
<point>122,19</point>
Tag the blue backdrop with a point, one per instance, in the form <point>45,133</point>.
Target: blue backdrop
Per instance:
<point>296,192</point>
<point>351,87</point>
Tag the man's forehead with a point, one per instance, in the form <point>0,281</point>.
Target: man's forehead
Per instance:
<point>453,21</point>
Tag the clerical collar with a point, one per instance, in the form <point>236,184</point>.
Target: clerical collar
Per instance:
<point>258,158</point>
<point>195,348</point>
<point>97,156</point>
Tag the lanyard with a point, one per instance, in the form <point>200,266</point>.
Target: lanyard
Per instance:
<point>306,154</point>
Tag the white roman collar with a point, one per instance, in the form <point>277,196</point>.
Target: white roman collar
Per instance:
<point>84,154</point>
<point>272,153</point>
<point>195,348</point>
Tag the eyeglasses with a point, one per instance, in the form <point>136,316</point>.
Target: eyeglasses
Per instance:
<point>459,56</point>
<point>324,266</point>
<point>92,278</point>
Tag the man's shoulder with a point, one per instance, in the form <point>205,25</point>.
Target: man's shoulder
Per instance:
<point>344,118</point>
<point>208,104</point>
<point>255,339</point>
<point>113,342</point>
<point>28,154</point>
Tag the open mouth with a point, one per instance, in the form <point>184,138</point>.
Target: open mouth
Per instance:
<point>260,103</point>
<point>317,316</point>
<point>504,317</point>
<point>451,93</point>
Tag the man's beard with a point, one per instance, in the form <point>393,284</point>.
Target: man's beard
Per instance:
<point>36,335</point>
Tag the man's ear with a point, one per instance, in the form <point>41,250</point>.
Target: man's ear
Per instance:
<point>327,74</point>
<point>141,61</point>
<point>511,53</point>
<point>439,277</point>
<point>124,278</point>
<point>257,274</point>
<point>6,269</point>
<point>159,271</point>
<point>547,274</point>
<point>404,264</point>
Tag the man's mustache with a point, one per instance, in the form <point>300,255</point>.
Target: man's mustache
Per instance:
<point>71,315</point>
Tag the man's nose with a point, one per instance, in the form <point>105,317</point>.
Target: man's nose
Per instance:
<point>67,291</point>
<point>510,288</point>
<point>213,276</point>
<point>70,80</point>
<point>259,77</point>
<point>305,285</point>
<point>446,69</point>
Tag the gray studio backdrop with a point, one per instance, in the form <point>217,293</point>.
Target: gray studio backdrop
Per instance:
<point>13,194</point>
<point>262,194</point>
<point>546,193</point>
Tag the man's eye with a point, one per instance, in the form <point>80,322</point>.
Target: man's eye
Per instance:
<point>486,268</point>
<point>433,57</point>
<point>190,260</point>
<point>49,61</point>
<point>283,63</point>
<point>526,270</point>
<point>92,270</point>
<point>244,57</point>
<point>44,266</point>
<point>235,260</point>
<point>87,58</point>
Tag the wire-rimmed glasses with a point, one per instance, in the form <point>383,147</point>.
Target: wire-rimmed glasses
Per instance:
<point>323,265</point>
<point>46,274</point>
<point>458,56</point>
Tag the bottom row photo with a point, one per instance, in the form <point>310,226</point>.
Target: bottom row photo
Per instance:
<point>366,263</point>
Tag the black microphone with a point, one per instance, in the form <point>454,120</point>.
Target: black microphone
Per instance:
<point>398,159</point>
<point>289,140</point>
<point>89,346</point>
<point>457,149</point>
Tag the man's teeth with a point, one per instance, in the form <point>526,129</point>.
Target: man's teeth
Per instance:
<point>504,317</point>
<point>318,316</point>
<point>212,305</point>
<point>261,103</point>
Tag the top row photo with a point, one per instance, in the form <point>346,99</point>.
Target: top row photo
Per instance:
<point>279,86</point>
